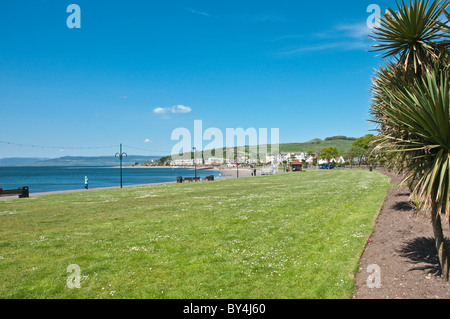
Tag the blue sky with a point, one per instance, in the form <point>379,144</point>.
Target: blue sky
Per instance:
<point>137,70</point>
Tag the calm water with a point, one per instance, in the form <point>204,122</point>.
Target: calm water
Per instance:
<point>47,179</point>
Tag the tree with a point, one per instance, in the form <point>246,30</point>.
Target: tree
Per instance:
<point>363,142</point>
<point>292,158</point>
<point>339,137</point>
<point>367,143</point>
<point>411,102</point>
<point>355,152</point>
<point>328,153</point>
<point>163,160</point>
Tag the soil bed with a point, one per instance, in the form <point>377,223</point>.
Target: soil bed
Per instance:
<point>402,246</point>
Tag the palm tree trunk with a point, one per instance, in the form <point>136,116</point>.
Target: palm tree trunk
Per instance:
<point>439,240</point>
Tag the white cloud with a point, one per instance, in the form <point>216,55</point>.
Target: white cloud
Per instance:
<point>343,37</point>
<point>336,46</point>
<point>160,110</point>
<point>354,30</point>
<point>147,140</point>
<point>181,109</point>
<point>174,109</point>
<point>202,13</point>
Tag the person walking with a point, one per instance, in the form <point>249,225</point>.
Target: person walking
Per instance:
<point>86,182</point>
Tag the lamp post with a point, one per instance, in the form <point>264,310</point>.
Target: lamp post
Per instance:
<point>121,154</point>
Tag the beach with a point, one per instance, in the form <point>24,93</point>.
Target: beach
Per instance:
<point>233,172</point>
<point>227,172</point>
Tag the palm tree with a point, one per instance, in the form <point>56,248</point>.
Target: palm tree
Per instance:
<point>411,102</point>
<point>413,34</point>
<point>422,113</point>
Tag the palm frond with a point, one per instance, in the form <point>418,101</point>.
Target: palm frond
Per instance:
<point>416,123</point>
<point>413,34</point>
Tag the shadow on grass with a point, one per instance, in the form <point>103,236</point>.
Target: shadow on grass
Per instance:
<point>421,251</point>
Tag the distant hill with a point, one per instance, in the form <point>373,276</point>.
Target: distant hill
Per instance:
<point>105,161</point>
<point>20,161</point>
<point>342,143</point>
<point>314,145</point>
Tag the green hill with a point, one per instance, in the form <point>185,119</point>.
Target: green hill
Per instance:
<point>342,143</point>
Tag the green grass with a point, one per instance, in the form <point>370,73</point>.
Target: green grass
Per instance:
<point>295,235</point>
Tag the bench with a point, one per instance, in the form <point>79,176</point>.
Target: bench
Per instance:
<point>194,179</point>
<point>22,192</point>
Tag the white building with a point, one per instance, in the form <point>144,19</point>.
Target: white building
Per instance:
<point>338,160</point>
<point>215,161</point>
<point>182,162</point>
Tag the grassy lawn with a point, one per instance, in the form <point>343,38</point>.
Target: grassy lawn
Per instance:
<point>295,235</point>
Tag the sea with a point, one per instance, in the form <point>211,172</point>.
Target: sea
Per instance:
<point>48,179</point>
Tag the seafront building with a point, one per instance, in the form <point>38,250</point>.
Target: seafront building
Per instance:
<point>281,158</point>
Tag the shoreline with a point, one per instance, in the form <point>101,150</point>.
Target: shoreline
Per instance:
<point>225,173</point>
